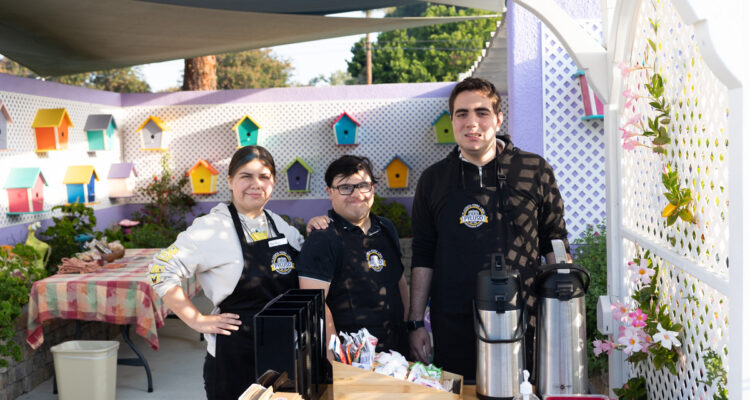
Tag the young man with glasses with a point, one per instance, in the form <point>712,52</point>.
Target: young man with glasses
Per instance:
<point>356,260</point>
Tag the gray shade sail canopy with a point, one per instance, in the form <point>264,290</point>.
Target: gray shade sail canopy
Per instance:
<point>54,37</point>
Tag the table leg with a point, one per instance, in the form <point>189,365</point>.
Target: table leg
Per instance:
<point>140,361</point>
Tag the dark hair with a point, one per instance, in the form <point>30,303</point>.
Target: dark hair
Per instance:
<point>483,86</point>
<point>348,165</point>
<point>249,153</point>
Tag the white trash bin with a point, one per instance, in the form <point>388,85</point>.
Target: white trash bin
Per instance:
<point>86,369</point>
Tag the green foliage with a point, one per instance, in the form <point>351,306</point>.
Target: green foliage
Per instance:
<point>16,275</point>
<point>591,253</point>
<point>296,223</point>
<point>251,69</point>
<point>336,78</point>
<point>426,54</point>
<point>715,373</point>
<point>633,389</point>
<point>153,236</point>
<point>396,213</point>
<point>168,203</point>
<point>647,300</point>
<point>76,219</point>
<point>121,80</point>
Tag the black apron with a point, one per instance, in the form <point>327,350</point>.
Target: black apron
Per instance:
<point>268,271</point>
<point>472,229</point>
<point>364,290</point>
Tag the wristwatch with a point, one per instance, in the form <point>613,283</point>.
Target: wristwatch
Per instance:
<point>414,325</point>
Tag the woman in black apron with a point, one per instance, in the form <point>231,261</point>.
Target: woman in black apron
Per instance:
<point>267,270</point>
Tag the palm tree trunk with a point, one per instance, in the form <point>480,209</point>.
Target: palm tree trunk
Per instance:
<point>200,73</point>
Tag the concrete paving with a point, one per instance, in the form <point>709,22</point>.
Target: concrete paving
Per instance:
<point>177,368</point>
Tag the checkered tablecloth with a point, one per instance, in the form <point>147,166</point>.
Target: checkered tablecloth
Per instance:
<point>117,296</point>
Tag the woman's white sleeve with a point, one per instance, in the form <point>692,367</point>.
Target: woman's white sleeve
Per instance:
<point>174,264</point>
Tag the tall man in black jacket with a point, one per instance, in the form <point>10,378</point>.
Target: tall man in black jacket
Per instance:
<point>485,197</point>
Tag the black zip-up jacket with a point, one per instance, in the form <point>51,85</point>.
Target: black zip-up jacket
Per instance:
<point>532,193</point>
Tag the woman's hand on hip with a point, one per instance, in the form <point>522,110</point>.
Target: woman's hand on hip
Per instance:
<point>221,324</point>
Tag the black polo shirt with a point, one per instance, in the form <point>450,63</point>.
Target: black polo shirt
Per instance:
<point>322,250</point>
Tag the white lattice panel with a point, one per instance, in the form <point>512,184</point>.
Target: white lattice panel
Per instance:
<point>699,129</point>
<point>22,146</point>
<point>701,310</point>
<point>699,133</point>
<point>573,147</point>
<point>289,129</point>
<point>294,129</point>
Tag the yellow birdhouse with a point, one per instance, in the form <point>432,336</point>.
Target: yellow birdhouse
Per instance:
<point>203,178</point>
<point>397,173</point>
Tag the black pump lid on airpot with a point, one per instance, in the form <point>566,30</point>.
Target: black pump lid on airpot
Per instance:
<point>562,282</point>
<point>498,288</point>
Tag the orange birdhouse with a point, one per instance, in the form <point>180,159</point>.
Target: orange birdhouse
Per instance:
<point>51,129</point>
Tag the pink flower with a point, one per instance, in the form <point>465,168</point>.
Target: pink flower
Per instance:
<point>628,94</point>
<point>646,341</point>
<point>634,120</point>
<point>630,144</point>
<point>629,103</point>
<point>631,340</point>
<point>642,272</point>
<point>619,311</point>
<point>625,69</point>
<point>603,346</point>
<point>626,134</point>
<point>639,318</point>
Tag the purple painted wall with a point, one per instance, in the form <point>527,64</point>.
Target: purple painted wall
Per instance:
<point>525,101</point>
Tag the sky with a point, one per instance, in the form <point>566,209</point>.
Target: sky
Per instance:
<point>309,59</point>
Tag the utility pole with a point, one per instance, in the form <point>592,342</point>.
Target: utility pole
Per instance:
<point>368,53</point>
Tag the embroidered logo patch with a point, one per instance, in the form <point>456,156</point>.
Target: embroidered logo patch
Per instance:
<point>375,260</point>
<point>473,216</point>
<point>282,263</point>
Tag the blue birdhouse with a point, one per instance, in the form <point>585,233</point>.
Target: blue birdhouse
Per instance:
<point>80,181</point>
<point>298,174</point>
<point>345,130</point>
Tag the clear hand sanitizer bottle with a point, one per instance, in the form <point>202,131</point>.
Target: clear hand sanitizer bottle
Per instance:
<point>526,389</point>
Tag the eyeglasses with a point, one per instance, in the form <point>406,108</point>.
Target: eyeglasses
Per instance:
<point>347,189</point>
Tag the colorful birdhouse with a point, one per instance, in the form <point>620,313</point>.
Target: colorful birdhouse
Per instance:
<point>592,106</point>
<point>443,129</point>
<point>298,174</point>
<point>25,188</point>
<point>154,134</point>
<point>4,120</point>
<point>121,180</point>
<point>100,130</point>
<point>397,173</point>
<point>51,129</point>
<point>80,182</point>
<point>247,132</point>
<point>345,130</point>
<point>203,178</point>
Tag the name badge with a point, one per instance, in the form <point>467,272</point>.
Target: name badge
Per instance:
<point>277,242</point>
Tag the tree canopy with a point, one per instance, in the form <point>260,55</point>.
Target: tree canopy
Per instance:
<point>426,54</point>
<point>252,69</point>
<point>122,80</point>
